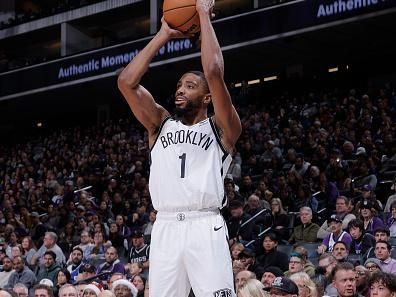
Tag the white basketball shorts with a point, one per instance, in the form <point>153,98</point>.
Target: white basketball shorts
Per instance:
<point>190,249</point>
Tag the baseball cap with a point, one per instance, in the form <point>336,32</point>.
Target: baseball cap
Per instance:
<point>274,270</point>
<point>235,204</point>
<point>360,151</point>
<point>47,282</point>
<point>367,188</point>
<point>246,253</point>
<point>87,268</point>
<point>334,218</point>
<point>366,205</point>
<point>137,233</point>
<point>285,285</point>
<point>34,214</point>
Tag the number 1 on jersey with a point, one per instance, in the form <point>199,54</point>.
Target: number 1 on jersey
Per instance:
<point>182,165</point>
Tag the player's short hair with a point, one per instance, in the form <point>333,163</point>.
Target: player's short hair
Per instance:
<point>201,75</point>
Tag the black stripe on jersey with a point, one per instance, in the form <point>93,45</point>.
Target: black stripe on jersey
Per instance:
<point>216,133</point>
<point>159,131</point>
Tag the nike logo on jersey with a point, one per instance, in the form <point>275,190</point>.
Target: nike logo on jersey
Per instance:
<point>217,228</point>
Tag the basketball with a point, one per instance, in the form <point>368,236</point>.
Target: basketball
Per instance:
<point>181,15</point>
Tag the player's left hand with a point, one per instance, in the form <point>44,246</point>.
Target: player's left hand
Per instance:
<point>172,33</point>
<point>205,6</point>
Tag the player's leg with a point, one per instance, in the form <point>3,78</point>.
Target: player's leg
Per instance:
<point>167,276</point>
<point>207,258</point>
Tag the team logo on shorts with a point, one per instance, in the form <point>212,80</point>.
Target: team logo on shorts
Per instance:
<point>223,293</point>
<point>181,216</point>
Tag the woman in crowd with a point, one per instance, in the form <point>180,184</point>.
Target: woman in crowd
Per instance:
<point>281,221</point>
<point>99,248</point>
<point>306,287</point>
<point>62,278</point>
<point>139,282</point>
<point>252,288</point>
<point>28,248</point>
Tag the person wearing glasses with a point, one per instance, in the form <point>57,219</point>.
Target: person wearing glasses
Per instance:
<point>296,264</point>
<point>362,276</point>
<point>306,287</point>
<point>373,265</point>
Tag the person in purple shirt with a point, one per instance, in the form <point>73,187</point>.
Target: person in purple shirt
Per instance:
<point>337,234</point>
<point>112,264</point>
<point>371,222</point>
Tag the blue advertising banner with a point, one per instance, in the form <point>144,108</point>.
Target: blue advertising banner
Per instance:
<point>232,31</point>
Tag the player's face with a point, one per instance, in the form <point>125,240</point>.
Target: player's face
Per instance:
<point>189,93</point>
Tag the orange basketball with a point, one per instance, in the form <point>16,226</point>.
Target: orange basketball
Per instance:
<point>181,15</point>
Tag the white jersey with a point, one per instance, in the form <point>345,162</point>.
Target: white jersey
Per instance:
<point>188,165</point>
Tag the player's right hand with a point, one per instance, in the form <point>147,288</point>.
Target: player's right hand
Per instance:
<point>172,33</point>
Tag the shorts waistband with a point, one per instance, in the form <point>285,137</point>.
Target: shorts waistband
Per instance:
<point>186,215</point>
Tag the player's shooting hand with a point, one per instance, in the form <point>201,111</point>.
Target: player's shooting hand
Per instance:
<point>205,6</point>
<point>172,33</point>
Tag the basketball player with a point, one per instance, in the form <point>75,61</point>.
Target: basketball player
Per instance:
<point>190,156</point>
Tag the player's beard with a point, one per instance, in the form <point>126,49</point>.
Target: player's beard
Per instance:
<point>183,111</point>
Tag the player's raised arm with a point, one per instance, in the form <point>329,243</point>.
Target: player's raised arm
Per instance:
<point>226,117</point>
<point>141,102</point>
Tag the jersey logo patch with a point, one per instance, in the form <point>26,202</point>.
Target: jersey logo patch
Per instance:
<point>180,216</point>
<point>223,293</point>
<point>217,229</point>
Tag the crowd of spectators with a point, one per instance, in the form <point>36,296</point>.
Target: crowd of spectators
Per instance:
<point>309,190</point>
<point>45,8</point>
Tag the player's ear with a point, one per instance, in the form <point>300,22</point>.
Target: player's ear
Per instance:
<point>207,98</point>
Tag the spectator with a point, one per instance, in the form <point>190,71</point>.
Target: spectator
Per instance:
<point>139,282</point>
<point>272,257</point>
<point>98,248</point>
<point>282,286</point>
<point>280,219</point>
<point>307,231</point>
<point>361,241</point>
<point>337,234</point>
<point>42,290</point>
<point>382,284</point>
<point>326,265</point>
<point>342,212</point>
<point>247,257</point>
<point>340,251</point>
<point>76,262</point>
<point>67,290</point>
<point>344,279</point>
<point>242,277</point>
<point>306,287</point>
<point>21,290</point>
<point>234,224</point>
<point>383,253</point>
<point>391,223</point>
<point>300,165</point>
<point>269,274</point>
<point>28,249</point>
<point>252,288</point>
<point>49,244</point>
<point>123,288</point>
<point>362,276</point>
<point>114,277</point>
<point>139,251</point>
<point>50,268</point>
<point>7,271</point>
<point>296,264</point>
<point>236,249</point>
<point>112,263</point>
<point>21,274</point>
<point>92,289</point>
<point>373,265</point>
<point>370,221</point>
